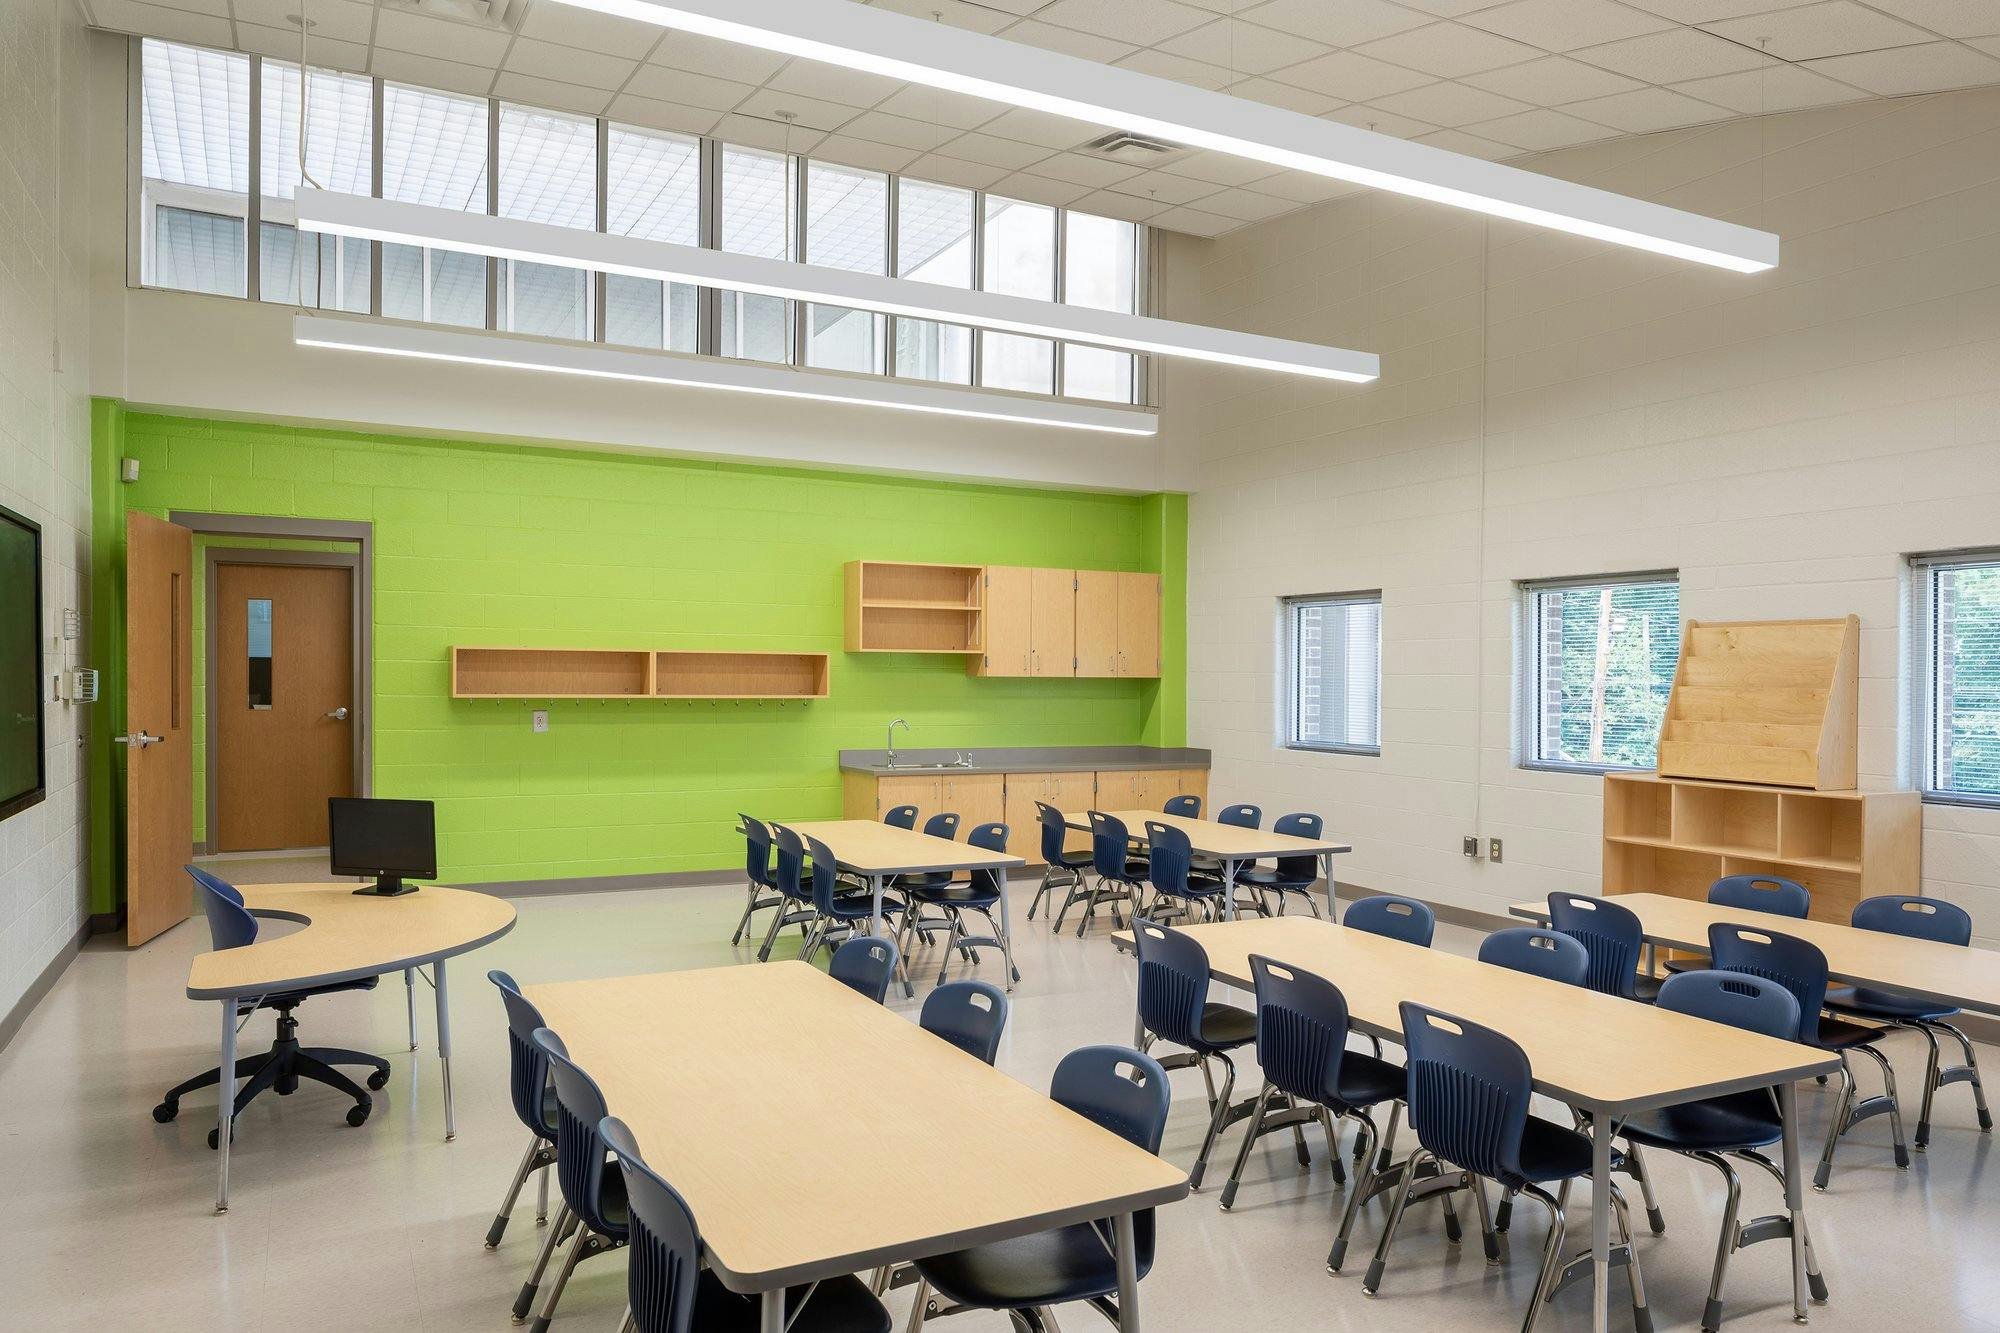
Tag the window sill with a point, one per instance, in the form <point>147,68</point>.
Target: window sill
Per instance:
<point>1366,751</point>
<point>1968,800</point>
<point>1583,770</point>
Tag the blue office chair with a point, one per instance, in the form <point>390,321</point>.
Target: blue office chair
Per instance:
<point>593,1217</point>
<point>533,1097</point>
<point>763,887</point>
<point>866,964</point>
<point>1613,937</point>
<point>979,893</point>
<point>1169,859</point>
<point>231,926</point>
<point>901,816</point>
<point>1385,914</point>
<point>1800,967</point>
<point>1468,1094</point>
<point>1737,1124</point>
<point>1059,863</point>
<point>1122,1091</point>
<point>668,1291</point>
<point>795,907</point>
<point>1291,874</point>
<point>1923,919</point>
<point>1187,807</point>
<point>1174,1007</point>
<point>971,1015</point>
<point>1752,893</point>
<point>1302,1046</point>
<point>1538,952</point>
<point>1119,876</point>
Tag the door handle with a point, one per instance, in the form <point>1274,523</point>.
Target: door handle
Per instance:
<point>338,714</point>
<point>138,740</point>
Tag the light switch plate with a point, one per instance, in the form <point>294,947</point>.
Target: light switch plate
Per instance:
<point>540,720</point>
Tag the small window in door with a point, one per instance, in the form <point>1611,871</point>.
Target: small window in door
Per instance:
<point>258,637</point>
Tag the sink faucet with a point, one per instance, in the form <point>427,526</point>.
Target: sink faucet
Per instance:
<point>892,738</point>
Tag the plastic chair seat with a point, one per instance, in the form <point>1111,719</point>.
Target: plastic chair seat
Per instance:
<point>1552,1152</point>
<point>1224,1026</point>
<point>1365,1080</point>
<point>931,879</point>
<point>1272,878</point>
<point>1713,1124</point>
<point>1837,1034</point>
<point>1071,1263</point>
<point>960,895</point>
<point>1887,1005</point>
<point>837,1305</point>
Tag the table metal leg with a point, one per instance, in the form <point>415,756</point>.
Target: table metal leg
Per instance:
<point>771,1318</point>
<point>225,1103</point>
<point>1125,1250</point>
<point>1326,873</point>
<point>875,886</point>
<point>1602,1128</point>
<point>1229,870</point>
<point>410,1001</point>
<point>1795,1203</point>
<point>1006,931</point>
<point>444,1046</point>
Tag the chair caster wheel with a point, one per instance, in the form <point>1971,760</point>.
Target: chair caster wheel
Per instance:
<point>165,1112</point>
<point>378,1080</point>
<point>357,1115</point>
<point>214,1139</point>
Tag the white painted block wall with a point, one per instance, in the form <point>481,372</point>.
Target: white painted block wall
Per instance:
<point>45,442</point>
<point>1551,406</point>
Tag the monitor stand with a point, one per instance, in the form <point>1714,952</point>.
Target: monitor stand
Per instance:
<point>386,886</point>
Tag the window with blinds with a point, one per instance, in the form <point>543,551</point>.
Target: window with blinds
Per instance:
<point>1957,675</point>
<point>1597,665</point>
<point>1334,658</point>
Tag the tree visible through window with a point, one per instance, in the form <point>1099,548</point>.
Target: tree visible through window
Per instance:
<point>1960,672</point>
<point>1336,672</point>
<point>1600,663</point>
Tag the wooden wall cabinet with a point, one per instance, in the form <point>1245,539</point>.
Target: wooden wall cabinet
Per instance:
<point>1030,622</point>
<point>897,607</point>
<point>1149,788</point>
<point>1117,623</point>
<point>617,673</point>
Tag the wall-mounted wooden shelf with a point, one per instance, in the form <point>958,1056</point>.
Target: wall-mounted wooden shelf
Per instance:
<point>895,607</point>
<point>1765,701</point>
<point>623,673</point>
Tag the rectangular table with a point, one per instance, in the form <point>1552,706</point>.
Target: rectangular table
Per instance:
<point>880,852</point>
<point>763,1093</point>
<point>1601,1054</point>
<point>1232,845</point>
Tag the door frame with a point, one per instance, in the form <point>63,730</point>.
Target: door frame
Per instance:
<point>359,562</point>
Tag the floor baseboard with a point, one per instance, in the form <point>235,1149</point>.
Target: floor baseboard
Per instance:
<point>42,984</point>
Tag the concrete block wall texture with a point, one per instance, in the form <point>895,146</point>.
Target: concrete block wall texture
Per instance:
<point>503,545</point>
<point>1550,406</point>
<point>45,450</point>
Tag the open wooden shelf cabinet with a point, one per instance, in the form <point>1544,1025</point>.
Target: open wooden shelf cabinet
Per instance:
<point>634,673</point>
<point>1770,701</point>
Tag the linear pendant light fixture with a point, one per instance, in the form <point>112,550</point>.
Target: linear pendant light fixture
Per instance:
<point>547,243</point>
<point>595,361</point>
<point>839,32</point>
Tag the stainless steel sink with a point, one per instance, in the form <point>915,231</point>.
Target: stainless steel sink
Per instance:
<point>926,768</point>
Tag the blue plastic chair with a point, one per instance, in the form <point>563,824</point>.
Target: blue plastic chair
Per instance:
<point>971,1015</point>
<point>1118,874</point>
<point>1800,967</point>
<point>231,926</point>
<point>1302,1045</point>
<point>1738,1124</point>
<point>1169,861</point>
<point>1120,1090</point>
<point>901,816</point>
<point>1174,1007</point>
<point>1613,937</point>
<point>1468,1096</point>
<point>1385,914</point>
<point>1541,953</point>
<point>1240,816</point>
<point>1941,923</point>
<point>979,893</point>
<point>1057,861</point>
<point>1291,874</point>
<point>838,907</point>
<point>796,907</point>
<point>1187,807</point>
<point>1752,893</point>
<point>763,886</point>
<point>668,1291</point>
<point>865,963</point>
<point>533,1097</point>
<point>592,1218</point>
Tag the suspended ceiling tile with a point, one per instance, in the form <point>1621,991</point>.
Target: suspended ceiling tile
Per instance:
<point>1346,24</point>
<point>974,18</point>
<point>283,44</point>
<point>1706,11</point>
<point>1039,127</point>
<point>1039,189</point>
<point>1181,69</point>
<point>808,113</point>
<point>1371,117</point>
<point>1471,145</point>
<point>954,171</point>
<point>716,58</point>
<point>1448,9</point>
<point>1953,18</point>
<point>770,135</point>
<point>341,20</point>
<point>1142,21</point>
<point>1778,88</point>
<point>898,131</point>
<point>687,88</point>
<point>174,25</point>
<point>1552,81</point>
<point>1540,130</point>
<point>1448,50</point>
<point>1674,56</point>
<point>1105,203</point>
<point>1219,168</point>
<point>1644,110</point>
<point>1283,95</point>
<point>420,36</point>
<point>831,83</point>
<point>633,109</point>
<point>1912,69</point>
<point>1245,205</point>
<point>1195,222</point>
<point>1450,104</point>
<point>1085,169</point>
<point>1243,47</point>
<point>1006,154</point>
<point>586,29</point>
<point>567,65</point>
<point>1564,25</point>
<point>1833,28</point>
<point>941,108</point>
<point>1350,77</point>
<point>1164,188</point>
<point>572,97</point>
<point>852,152</point>
<point>430,72</point>
<point>1302,187</point>
<point>1067,41</point>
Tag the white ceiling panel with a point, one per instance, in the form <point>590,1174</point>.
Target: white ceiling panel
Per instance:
<point>341,20</point>
<point>1449,50</point>
<point>1674,56</point>
<point>852,152</point>
<point>1084,169</point>
<point>1552,81</point>
<point>1105,203</point>
<point>631,109</point>
<point>1368,116</point>
<point>688,88</point>
<point>586,29</point>
<point>1950,18</point>
<point>942,108</point>
<point>1144,22</point>
<point>1348,23</point>
<point>1181,69</point>
<point>1778,88</point>
<point>1540,130</point>
<point>1450,104</point>
<point>1912,69</point>
<point>807,113</point>
<point>1243,47</point>
<point>399,30</point>
<point>1273,93</point>
<point>995,152</point>
<point>1195,222</point>
<point>830,83</point>
<point>898,131</point>
<point>1039,189</point>
<point>430,72</point>
<point>1039,127</point>
<point>1165,189</point>
<point>1564,25</point>
<point>283,44</point>
<point>954,171</point>
<point>721,60</point>
<point>974,18</point>
<point>1070,42</point>
<point>1832,28</point>
<point>1351,77</point>
<point>550,93</point>
<point>566,65</point>
<point>1647,109</point>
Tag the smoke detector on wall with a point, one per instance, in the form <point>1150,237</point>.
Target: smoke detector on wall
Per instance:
<point>502,15</point>
<point>1134,150</point>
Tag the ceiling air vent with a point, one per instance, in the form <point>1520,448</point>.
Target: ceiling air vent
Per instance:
<point>502,15</point>
<point>1134,150</point>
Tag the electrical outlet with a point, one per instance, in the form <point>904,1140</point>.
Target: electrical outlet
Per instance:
<point>1471,847</point>
<point>540,720</point>
<point>1493,850</point>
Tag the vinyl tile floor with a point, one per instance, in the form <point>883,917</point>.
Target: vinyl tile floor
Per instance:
<point>380,1227</point>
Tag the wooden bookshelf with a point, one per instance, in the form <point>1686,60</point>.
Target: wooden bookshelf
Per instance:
<point>1679,835</point>
<point>895,607</point>
<point>1769,701</point>
<point>627,673</point>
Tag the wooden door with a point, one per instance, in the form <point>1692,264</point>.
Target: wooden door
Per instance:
<point>1053,627</point>
<point>159,704</point>
<point>1138,624</point>
<point>284,703</point>
<point>922,792</point>
<point>1096,622</point>
<point>1009,632</point>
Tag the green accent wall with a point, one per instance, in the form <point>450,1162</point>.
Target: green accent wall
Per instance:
<point>498,544</point>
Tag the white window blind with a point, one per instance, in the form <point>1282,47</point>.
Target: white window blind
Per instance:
<point>1957,676</point>
<point>1335,664</point>
<point>1597,667</point>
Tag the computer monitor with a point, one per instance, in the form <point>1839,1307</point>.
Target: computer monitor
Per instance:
<point>386,839</point>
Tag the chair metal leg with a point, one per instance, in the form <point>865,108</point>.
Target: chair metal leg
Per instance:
<point>1386,1154</point>
<point>1836,1126</point>
<point>542,1197</point>
<point>1488,1238</point>
<point>1364,1181</point>
<point>1931,1066</point>
<point>1725,1245</point>
<point>578,1244</point>
<point>918,1307</point>
<point>1551,1254</point>
<point>528,1163</point>
<point>1642,1317</point>
<point>771,935</point>
<point>1965,1073</point>
<point>1215,1121</point>
<point>526,1300</point>
<point>1654,1218</point>
<point>743,923</point>
<point>1243,1153</point>
<point>1503,1216</point>
<point>1373,1280</point>
<point>1815,1280</point>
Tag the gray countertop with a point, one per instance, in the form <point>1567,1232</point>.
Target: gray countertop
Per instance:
<point>1024,759</point>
